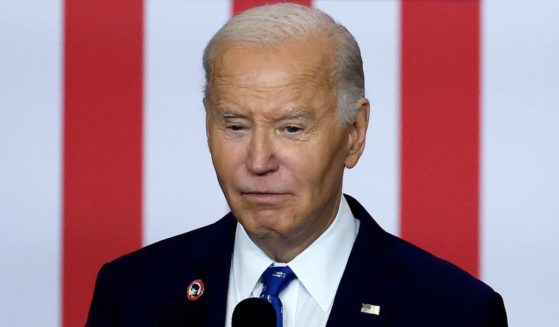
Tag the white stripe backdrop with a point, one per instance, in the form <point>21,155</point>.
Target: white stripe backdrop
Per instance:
<point>30,162</point>
<point>520,157</point>
<point>181,191</point>
<point>520,142</point>
<point>376,179</point>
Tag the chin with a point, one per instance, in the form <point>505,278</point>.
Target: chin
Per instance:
<point>264,222</point>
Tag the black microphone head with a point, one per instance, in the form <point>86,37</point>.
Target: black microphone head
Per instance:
<point>254,312</point>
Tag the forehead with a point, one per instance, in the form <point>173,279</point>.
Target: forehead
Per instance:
<point>291,65</point>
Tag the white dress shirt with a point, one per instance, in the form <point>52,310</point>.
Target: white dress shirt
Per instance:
<point>307,301</point>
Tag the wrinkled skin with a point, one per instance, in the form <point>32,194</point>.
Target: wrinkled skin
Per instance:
<point>277,144</point>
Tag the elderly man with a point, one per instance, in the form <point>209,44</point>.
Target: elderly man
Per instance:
<point>285,115</point>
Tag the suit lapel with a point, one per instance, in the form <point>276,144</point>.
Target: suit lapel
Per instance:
<point>368,278</point>
<point>213,256</point>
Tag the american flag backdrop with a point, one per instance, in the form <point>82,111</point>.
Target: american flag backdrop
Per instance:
<point>103,149</point>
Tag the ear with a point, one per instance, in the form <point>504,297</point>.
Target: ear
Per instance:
<point>206,102</point>
<point>207,109</point>
<point>358,133</point>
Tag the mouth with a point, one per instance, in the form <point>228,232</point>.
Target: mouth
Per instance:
<point>264,197</point>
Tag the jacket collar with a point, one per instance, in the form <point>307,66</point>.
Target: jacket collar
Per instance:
<point>367,277</point>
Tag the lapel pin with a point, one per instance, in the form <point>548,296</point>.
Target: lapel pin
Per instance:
<point>195,290</point>
<point>370,309</point>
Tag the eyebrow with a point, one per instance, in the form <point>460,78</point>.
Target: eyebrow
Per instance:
<point>227,113</point>
<point>298,113</point>
<point>292,113</point>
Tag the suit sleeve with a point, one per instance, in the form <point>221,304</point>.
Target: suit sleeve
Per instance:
<point>101,308</point>
<point>496,313</point>
<point>491,313</point>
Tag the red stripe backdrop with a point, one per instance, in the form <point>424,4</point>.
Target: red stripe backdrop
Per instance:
<point>103,62</point>
<point>242,5</point>
<point>440,128</point>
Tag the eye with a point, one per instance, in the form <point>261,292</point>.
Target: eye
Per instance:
<point>293,129</point>
<point>235,128</point>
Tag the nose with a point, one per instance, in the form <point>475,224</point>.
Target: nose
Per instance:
<point>261,159</point>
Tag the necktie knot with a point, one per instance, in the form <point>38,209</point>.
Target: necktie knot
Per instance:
<point>274,280</point>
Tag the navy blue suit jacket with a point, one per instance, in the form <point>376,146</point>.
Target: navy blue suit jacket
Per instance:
<point>411,286</point>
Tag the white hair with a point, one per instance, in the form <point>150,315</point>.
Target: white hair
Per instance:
<point>271,25</point>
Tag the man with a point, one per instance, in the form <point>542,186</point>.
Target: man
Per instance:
<point>285,115</point>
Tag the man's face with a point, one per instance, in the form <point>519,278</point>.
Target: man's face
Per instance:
<point>277,144</point>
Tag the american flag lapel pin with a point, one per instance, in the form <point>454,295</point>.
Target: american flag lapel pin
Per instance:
<point>370,309</point>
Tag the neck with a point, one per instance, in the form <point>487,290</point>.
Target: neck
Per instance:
<point>285,248</point>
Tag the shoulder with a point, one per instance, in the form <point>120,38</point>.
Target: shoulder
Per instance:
<point>414,266</point>
<point>426,271</point>
<point>419,281</point>
<point>428,282</point>
<point>188,248</point>
<point>134,289</point>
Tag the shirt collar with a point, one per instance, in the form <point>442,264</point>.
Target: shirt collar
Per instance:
<point>320,267</point>
<point>318,273</point>
<point>249,262</point>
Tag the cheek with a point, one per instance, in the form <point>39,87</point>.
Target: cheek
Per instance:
<point>306,166</point>
<point>318,166</point>
<point>226,157</point>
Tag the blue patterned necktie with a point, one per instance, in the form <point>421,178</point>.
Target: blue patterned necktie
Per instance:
<point>274,280</point>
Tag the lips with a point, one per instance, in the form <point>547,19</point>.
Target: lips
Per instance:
<point>264,197</point>
<point>263,193</point>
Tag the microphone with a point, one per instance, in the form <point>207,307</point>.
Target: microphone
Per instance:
<point>254,312</point>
